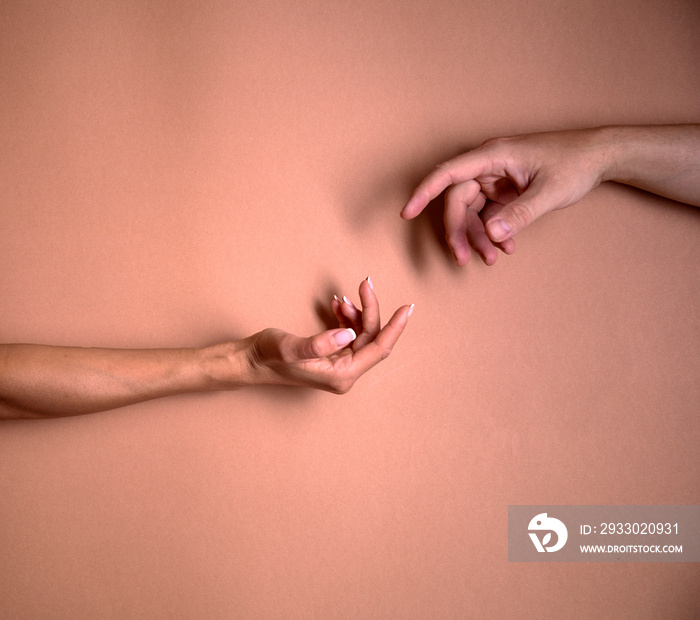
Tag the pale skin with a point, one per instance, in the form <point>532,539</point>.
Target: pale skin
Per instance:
<point>497,190</point>
<point>38,381</point>
<point>493,193</point>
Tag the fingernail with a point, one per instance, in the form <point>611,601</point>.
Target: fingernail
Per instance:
<point>336,298</point>
<point>344,336</point>
<point>369,281</point>
<point>499,229</point>
<point>347,301</point>
<point>410,310</point>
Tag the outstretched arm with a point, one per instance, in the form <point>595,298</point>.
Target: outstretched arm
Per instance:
<point>500,188</point>
<point>39,381</point>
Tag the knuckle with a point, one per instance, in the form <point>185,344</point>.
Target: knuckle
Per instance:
<point>494,144</point>
<point>285,355</point>
<point>286,351</point>
<point>384,352</point>
<point>500,149</point>
<point>265,346</point>
<point>520,215</point>
<point>444,169</point>
<point>341,385</point>
<point>453,240</point>
<point>314,348</point>
<point>501,141</point>
<point>455,194</point>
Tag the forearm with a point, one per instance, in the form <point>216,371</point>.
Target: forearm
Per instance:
<point>39,381</point>
<point>662,159</point>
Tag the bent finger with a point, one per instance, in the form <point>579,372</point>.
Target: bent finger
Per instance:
<point>352,314</point>
<point>507,246</point>
<point>462,168</point>
<point>371,323</point>
<point>457,201</point>
<point>336,304</point>
<point>380,348</point>
<point>490,210</point>
<point>478,239</point>
<point>535,201</point>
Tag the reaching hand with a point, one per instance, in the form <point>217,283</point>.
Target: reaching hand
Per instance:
<point>39,381</point>
<point>332,360</point>
<point>498,189</point>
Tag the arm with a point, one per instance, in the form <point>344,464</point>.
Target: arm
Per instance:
<point>500,188</point>
<point>664,160</point>
<point>39,381</point>
<point>44,381</point>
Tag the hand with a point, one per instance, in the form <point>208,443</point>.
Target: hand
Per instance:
<point>39,381</point>
<point>500,188</point>
<point>332,360</point>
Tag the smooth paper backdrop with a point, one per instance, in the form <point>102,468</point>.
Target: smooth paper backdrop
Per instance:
<point>176,174</point>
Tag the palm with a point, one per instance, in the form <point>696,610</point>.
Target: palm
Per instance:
<point>320,361</point>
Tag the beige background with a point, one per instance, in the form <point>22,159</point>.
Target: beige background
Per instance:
<point>180,173</point>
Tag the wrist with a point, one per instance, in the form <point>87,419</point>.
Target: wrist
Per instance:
<point>631,152</point>
<point>608,144</point>
<point>226,366</point>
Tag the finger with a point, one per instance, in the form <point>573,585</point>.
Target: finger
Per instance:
<point>371,323</point>
<point>457,201</point>
<point>352,314</point>
<point>380,348</point>
<point>507,246</point>
<point>491,208</point>
<point>487,213</point>
<point>519,214</point>
<point>295,348</point>
<point>478,239</point>
<point>500,189</point>
<point>457,170</point>
<point>336,304</point>
<point>370,308</point>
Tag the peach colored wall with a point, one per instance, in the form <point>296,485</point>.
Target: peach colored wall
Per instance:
<point>175,173</point>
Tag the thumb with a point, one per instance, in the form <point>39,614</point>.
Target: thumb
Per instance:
<point>321,345</point>
<point>536,200</point>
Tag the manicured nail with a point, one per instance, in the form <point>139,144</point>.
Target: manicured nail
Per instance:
<point>337,298</point>
<point>369,281</point>
<point>344,336</point>
<point>499,229</point>
<point>410,310</point>
<point>347,301</point>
